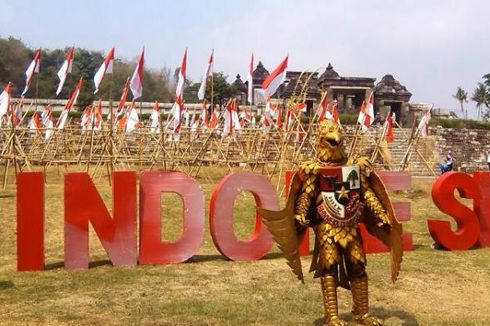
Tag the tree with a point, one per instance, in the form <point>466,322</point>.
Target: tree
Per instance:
<point>480,97</point>
<point>217,85</point>
<point>462,96</point>
<point>15,57</point>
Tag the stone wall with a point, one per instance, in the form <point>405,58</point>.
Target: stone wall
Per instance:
<point>469,146</point>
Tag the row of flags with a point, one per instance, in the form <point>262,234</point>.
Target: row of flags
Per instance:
<point>230,115</point>
<point>269,85</point>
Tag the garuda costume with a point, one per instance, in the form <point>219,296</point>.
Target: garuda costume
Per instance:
<point>333,194</point>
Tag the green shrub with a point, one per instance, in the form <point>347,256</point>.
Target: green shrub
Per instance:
<point>460,123</point>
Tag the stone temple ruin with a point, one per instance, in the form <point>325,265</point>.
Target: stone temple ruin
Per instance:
<point>389,93</point>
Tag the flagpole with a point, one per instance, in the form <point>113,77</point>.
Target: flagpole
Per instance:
<point>111,129</point>
<point>212,86</point>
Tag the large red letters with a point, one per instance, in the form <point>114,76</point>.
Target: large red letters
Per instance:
<point>152,250</point>
<point>117,233</point>
<point>221,212</point>
<point>481,206</point>
<point>83,204</point>
<point>468,229</point>
<point>30,221</point>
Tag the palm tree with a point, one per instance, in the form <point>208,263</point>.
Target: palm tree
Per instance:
<point>462,96</point>
<point>480,97</point>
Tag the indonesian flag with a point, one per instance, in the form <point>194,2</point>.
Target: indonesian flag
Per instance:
<point>366,115</point>
<point>424,124</point>
<point>302,107</point>
<point>390,136</point>
<point>136,83</point>
<point>205,115</point>
<point>244,116</point>
<point>214,120</point>
<point>275,79</point>
<point>182,75</point>
<point>5,100</point>
<point>32,69</point>
<point>279,119</point>
<point>17,113</point>
<point>122,102</point>
<point>231,118</point>
<point>98,117</point>
<point>202,89</point>
<point>106,67</point>
<point>250,80</point>
<point>35,123</point>
<point>176,121</point>
<point>133,121</point>
<point>362,114</point>
<point>65,70</point>
<point>47,121</point>
<point>60,124</point>
<point>335,114</point>
<point>155,119</point>
<point>86,121</point>
<point>267,120</point>
<point>323,112</point>
<point>290,118</point>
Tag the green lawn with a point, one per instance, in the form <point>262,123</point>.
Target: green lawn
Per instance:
<point>434,287</point>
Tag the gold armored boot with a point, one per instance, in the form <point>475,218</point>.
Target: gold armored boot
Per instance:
<point>359,289</point>
<point>329,291</point>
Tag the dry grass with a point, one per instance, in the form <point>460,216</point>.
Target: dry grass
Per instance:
<point>435,287</point>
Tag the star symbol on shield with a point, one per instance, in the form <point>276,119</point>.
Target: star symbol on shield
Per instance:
<point>343,192</point>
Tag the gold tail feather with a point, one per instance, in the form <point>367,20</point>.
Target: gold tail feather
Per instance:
<point>283,229</point>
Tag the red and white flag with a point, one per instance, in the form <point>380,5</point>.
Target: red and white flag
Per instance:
<point>232,121</point>
<point>60,124</point>
<point>155,119</point>
<point>323,112</point>
<point>250,80</point>
<point>202,88</point>
<point>335,114</point>
<point>87,119</point>
<point>32,69</point>
<point>133,121</point>
<point>279,118</point>
<point>122,102</point>
<point>65,70</point>
<point>105,68</point>
<point>213,123</point>
<point>175,122</point>
<point>47,121</point>
<point>136,83</point>
<point>275,79</point>
<point>182,75</point>
<point>423,126</point>
<point>268,120</point>
<point>17,113</point>
<point>366,114</point>
<point>5,100</point>
<point>98,117</point>
<point>35,123</point>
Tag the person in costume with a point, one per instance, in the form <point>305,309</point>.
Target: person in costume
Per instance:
<point>333,194</point>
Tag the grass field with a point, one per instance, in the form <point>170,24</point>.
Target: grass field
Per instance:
<point>435,287</point>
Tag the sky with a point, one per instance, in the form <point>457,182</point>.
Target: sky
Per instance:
<point>431,46</point>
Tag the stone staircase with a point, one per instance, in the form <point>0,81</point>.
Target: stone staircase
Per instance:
<point>425,162</point>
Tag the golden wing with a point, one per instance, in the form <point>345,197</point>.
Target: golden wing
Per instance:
<point>282,226</point>
<point>391,238</point>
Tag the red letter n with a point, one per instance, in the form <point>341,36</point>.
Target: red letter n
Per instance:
<point>83,204</point>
